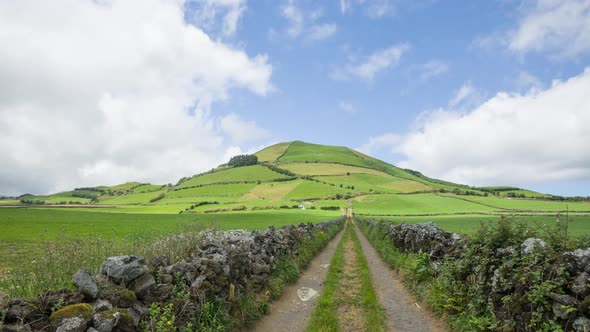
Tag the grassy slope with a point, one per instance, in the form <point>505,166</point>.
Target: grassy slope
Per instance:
<point>415,204</point>
<point>310,189</point>
<point>300,151</point>
<point>239,174</point>
<point>530,204</point>
<point>378,183</point>
<point>275,191</point>
<point>272,152</point>
<point>318,169</point>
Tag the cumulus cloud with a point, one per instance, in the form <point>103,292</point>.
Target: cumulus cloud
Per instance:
<point>518,138</point>
<point>433,68</point>
<point>560,27</point>
<point>304,24</point>
<point>386,141</point>
<point>242,131</point>
<point>372,64</point>
<point>206,13</point>
<point>99,92</point>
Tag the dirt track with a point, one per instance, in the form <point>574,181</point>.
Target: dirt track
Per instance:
<point>403,313</point>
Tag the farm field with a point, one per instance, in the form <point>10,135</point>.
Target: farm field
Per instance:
<point>469,224</point>
<point>415,204</point>
<point>529,204</point>
<point>24,232</point>
<point>240,174</point>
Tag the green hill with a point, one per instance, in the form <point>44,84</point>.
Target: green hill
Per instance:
<point>295,174</point>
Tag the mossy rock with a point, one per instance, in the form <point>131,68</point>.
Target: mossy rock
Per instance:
<point>83,310</point>
<point>119,296</point>
<point>125,321</point>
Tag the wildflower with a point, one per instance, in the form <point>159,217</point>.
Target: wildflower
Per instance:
<point>168,323</point>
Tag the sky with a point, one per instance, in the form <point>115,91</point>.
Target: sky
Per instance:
<point>99,92</point>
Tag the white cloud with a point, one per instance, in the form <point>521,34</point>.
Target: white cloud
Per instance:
<point>242,131</point>
<point>526,81</point>
<point>295,17</point>
<point>206,12</point>
<point>380,8</point>
<point>432,69</point>
<point>304,24</point>
<point>345,6</point>
<point>374,9</point>
<point>388,141</point>
<point>461,94</point>
<point>558,28</point>
<point>103,92</point>
<point>538,136</point>
<point>372,64</point>
<point>322,31</point>
<point>347,107</point>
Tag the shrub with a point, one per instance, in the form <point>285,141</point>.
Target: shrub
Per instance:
<point>243,160</point>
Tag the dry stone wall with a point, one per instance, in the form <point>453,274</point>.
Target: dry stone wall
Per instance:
<point>524,285</point>
<point>118,298</point>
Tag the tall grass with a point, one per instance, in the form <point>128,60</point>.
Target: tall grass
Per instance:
<point>53,265</point>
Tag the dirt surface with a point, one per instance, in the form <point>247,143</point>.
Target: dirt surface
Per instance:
<point>402,312</point>
<point>289,312</point>
<point>349,290</point>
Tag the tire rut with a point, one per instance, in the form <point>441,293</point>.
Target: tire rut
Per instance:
<point>290,312</point>
<point>402,312</point>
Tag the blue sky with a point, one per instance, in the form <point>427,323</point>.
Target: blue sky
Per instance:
<point>481,93</point>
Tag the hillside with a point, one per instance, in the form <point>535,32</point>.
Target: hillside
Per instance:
<point>302,175</point>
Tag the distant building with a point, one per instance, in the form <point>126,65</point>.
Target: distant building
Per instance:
<point>301,207</point>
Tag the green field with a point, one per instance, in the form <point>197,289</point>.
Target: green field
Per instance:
<point>272,152</point>
<point>468,224</point>
<point>130,198</point>
<point>530,204</point>
<point>239,174</point>
<point>378,183</point>
<point>415,204</point>
<point>310,189</point>
<point>300,151</point>
<point>318,169</point>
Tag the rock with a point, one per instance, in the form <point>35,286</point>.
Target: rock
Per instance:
<point>582,324</point>
<point>105,322</point>
<point>124,268</point>
<point>72,324</point>
<point>16,328</point>
<point>564,299</point>
<point>143,285</point>
<point>91,329</point>
<point>82,310</point>
<point>531,245</point>
<point>119,296</point>
<point>581,258</point>
<point>504,252</point>
<point>580,284</point>
<point>117,319</point>
<point>561,310</point>
<point>22,311</point>
<point>305,293</point>
<point>159,262</point>
<point>260,269</point>
<point>166,278</point>
<point>85,284</point>
<point>102,305</point>
<point>4,300</point>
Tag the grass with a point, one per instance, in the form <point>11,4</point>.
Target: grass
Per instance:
<point>130,198</point>
<point>147,187</point>
<point>310,189</point>
<point>415,204</point>
<point>300,151</point>
<point>379,183</point>
<point>238,174</point>
<point>274,191</point>
<point>230,190</point>
<point>529,204</point>
<point>28,235</point>
<point>469,224</point>
<point>272,152</point>
<point>319,169</point>
<point>333,296</point>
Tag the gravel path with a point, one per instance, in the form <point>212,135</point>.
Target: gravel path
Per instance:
<point>402,312</point>
<point>290,313</point>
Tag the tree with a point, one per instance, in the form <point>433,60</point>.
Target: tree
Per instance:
<point>243,160</point>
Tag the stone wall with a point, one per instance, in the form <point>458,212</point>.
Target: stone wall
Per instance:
<point>524,284</point>
<point>118,298</point>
